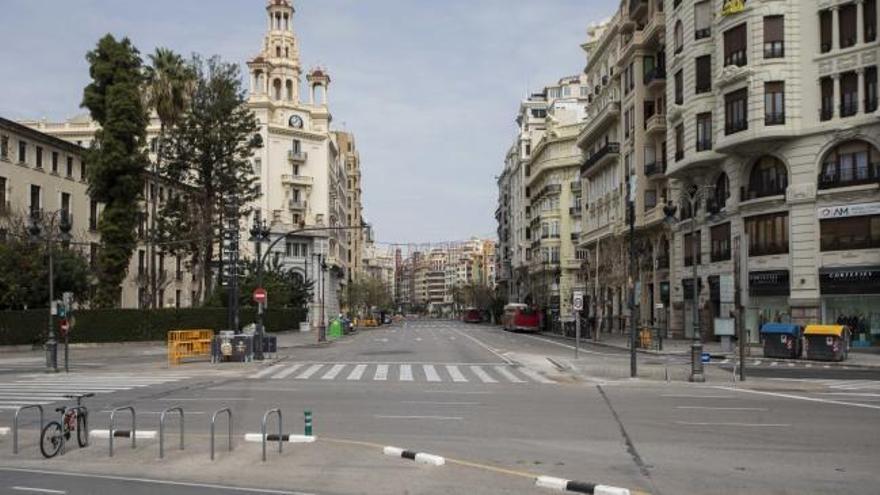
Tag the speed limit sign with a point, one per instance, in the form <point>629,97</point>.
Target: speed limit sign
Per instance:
<point>578,301</point>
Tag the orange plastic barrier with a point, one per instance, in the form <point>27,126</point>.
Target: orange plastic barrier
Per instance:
<point>183,344</point>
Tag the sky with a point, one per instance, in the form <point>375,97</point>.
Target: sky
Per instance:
<point>429,88</point>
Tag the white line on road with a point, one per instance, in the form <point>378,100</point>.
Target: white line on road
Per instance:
<point>749,425</point>
<point>440,403</point>
<point>357,372</point>
<point>381,373</point>
<point>723,408</point>
<point>36,490</point>
<point>678,396</point>
<point>406,374</point>
<point>287,372</point>
<point>311,370</point>
<point>181,399</point>
<point>335,370</point>
<point>431,373</point>
<point>534,375</point>
<point>482,375</point>
<point>801,397</point>
<point>442,418</point>
<point>484,346</point>
<point>507,374</point>
<point>455,373</point>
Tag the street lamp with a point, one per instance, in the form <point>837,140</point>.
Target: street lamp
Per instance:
<point>259,234</point>
<point>692,197</point>
<point>35,229</point>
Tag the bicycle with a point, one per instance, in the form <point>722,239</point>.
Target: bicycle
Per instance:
<point>56,433</point>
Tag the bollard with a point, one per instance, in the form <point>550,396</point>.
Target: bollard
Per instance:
<point>308,426</point>
<point>229,421</point>
<point>263,430</point>
<point>179,410</point>
<point>15,424</point>
<point>112,430</point>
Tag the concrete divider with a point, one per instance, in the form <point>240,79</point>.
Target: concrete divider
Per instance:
<point>564,485</point>
<point>419,457</point>
<point>139,434</point>
<point>290,438</point>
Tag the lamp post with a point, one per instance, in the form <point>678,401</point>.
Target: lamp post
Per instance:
<point>259,234</point>
<point>692,197</point>
<point>35,229</point>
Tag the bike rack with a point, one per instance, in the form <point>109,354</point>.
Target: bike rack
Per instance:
<point>15,424</point>
<point>162,429</point>
<point>112,430</point>
<point>213,420</point>
<point>263,431</point>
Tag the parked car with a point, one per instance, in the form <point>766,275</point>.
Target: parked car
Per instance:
<point>472,315</point>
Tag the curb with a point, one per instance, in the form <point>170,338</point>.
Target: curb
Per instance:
<point>258,437</point>
<point>563,485</point>
<point>419,457</point>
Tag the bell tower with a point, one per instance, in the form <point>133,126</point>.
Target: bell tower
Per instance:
<point>275,72</point>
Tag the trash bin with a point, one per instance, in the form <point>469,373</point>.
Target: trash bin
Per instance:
<point>782,340</point>
<point>826,342</point>
<point>335,330</point>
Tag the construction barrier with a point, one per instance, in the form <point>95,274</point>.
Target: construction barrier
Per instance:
<point>183,344</point>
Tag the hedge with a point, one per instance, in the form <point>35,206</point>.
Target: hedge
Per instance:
<point>132,325</point>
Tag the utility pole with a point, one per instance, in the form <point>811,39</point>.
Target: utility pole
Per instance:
<point>633,307</point>
<point>740,324</point>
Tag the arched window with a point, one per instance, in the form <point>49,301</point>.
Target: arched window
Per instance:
<point>679,37</point>
<point>721,193</point>
<point>850,163</point>
<point>768,178</point>
<point>276,84</point>
<point>289,90</point>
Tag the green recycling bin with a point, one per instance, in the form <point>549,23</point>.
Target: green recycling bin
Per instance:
<point>335,330</point>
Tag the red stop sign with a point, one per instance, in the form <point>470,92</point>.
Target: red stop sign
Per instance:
<point>260,295</point>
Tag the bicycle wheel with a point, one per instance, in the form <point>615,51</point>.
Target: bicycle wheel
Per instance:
<point>82,428</point>
<point>51,439</point>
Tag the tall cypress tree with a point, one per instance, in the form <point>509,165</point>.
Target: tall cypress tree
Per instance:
<point>117,159</point>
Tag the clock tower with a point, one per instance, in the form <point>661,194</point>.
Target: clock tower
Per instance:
<point>275,72</point>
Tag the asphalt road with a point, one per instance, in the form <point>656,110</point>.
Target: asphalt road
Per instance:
<point>496,405</point>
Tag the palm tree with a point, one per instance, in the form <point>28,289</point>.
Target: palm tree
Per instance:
<point>169,85</point>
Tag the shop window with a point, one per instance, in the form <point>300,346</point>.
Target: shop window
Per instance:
<point>768,177</point>
<point>720,236</point>
<point>850,163</point>
<point>689,248</point>
<point>735,46</point>
<point>843,234</point>
<point>768,234</point>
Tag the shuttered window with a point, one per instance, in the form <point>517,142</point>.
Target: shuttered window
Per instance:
<point>704,74</point>
<point>702,20</point>
<point>735,46</point>
<point>774,39</point>
<point>848,27</point>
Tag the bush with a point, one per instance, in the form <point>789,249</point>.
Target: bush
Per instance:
<point>131,325</point>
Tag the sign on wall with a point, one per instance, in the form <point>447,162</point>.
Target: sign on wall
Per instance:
<point>733,7</point>
<point>845,211</point>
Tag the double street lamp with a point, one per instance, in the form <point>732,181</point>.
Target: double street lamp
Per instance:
<point>57,220</point>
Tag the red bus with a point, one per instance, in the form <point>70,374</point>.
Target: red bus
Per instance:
<point>520,317</point>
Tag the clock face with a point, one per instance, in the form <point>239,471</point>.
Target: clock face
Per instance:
<point>296,121</point>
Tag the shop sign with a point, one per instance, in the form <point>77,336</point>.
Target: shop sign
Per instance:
<point>856,280</point>
<point>733,7</point>
<point>846,211</point>
<point>769,283</point>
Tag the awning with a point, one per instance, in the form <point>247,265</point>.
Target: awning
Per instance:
<point>836,330</point>
<point>781,328</point>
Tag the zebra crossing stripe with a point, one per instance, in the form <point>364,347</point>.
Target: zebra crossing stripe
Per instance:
<point>455,373</point>
<point>357,372</point>
<point>507,374</point>
<point>311,370</point>
<point>482,375</point>
<point>287,371</point>
<point>406,374</point>
<point>335,370</point>
<point>534,375</point>
<point>381,372</point>
<point>431,373</point>
<point>267,371</point>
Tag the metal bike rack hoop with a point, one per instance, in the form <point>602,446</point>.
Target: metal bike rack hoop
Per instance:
<point>112,429</point>
<point>280,430</point>
<point>162,429</point>
<point>15,424</point>
<point>214,420</point>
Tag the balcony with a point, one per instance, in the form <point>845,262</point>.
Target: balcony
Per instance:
<point>655,76</point>
<point>662,262</point>
<point>704,144</point>
<point>763,192</point>
<point>655,168</point>
<point>297,156</point>
<point>574,211</point>
<point>599,121</point>
<point>610,150</point>
<point>575,236</point>
<point>700,34</point>
<point>849,108</point>
<point>735,126</point>
<point>296,205</point>
<point>858,177</point>
<point>655,30</point>
<point>631,43</point>
<point>297,180</point>
<point>551,189</point>
<point>575,185</point>
<point>656,124</point>
<point>637,8</point>
<point>774,118</point>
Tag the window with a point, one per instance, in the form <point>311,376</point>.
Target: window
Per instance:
<point>54,162</point>
<point>825,30</point>
<point>178,269</point>
<point>177,298</point>
<point>690,247</point>
<point>774,39</point>
<point>768,234</point>
<point>850,163</point>
<point>736,111</point>
<point>720,235</point>
<point>82,170</point>
<point>39,155</point>
<point>774,103</point>
<point>735,46</point>
<point>69,166</point>
<point>679,88</point>
<point>849,94</point>
<point>704,74</point>
<point>870,15</point>
<point>679,37</point>
<point>843,234</point>
<point>679,142</point>
<point>36,200</point>
<point>871,89</point>
<point>827,96</point>
<point>702,20</point>
<point>768,177</point>
<point>142,262</point>
<point>704,131</point>
<point>847,19</point>
<point>650,199</point>
<point>65,203</point>
<point>154,145</point>
<point>631,77</point>
<point>4,147</point>
<point>22,152</point>
<point>93,255</point>
<point>93,215</point>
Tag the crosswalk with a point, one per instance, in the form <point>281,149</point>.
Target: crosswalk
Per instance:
<point>837,385</point>
<point>19,390</point>
<point>456,373</point>
<point>23,364</point>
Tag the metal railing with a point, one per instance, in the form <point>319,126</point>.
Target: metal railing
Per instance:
<point>213,421</point>
<point>112,430</point>
<point>162,429</point>
<point>609,148</point>
<point>15,423</point>
<point>280,431</point>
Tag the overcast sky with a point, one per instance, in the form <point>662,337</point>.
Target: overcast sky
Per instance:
<point>429,87</point>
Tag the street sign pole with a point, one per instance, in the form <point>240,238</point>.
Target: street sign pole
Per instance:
<point>578,306</point>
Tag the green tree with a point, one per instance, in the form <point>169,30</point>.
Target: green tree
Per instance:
<point>24,274</point>
<point>210,151</point>
<point>286,288</point>
<point>169,86</point>
<point>117,161</point>
<point>367,293</point>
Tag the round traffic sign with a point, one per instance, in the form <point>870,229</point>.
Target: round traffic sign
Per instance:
<point>260,295</point>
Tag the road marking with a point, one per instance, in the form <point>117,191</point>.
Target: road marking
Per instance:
<point>287,372</point>
<point>484,346</point>
<point>357,372</point>
<point>801,397</point>
<point>335,370</point>
<point>431,373</point>
<point>506,373</point>
<point>773,364</point>
<point>856,394</point>
<point>534,375</point>
<point>440,403</point>
<point>381,372</point>
<point>723,408</point>
<point>677,396</point>
<point>442,418</point>
<point>756,362</point>
<point>791,365</point>
<point>36,490</point>
<point>808,365</point>
<point>181,399</point>
<point>567,346</point>
<point>311,370</point>
<point>406,374</point>
<point>748,425</point>
<point>455,373</point>
<point>482,375</point>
